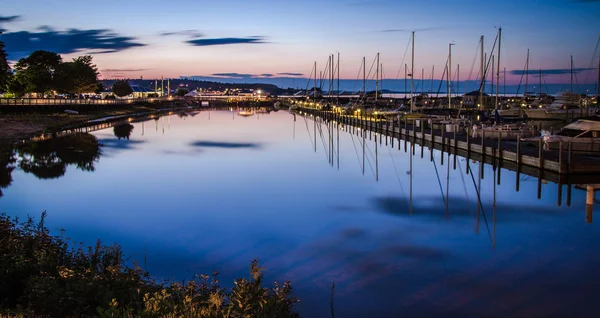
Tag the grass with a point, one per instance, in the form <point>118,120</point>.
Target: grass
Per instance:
<point>48,276</point>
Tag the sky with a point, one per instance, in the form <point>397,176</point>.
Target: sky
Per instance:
<point>266,39</point>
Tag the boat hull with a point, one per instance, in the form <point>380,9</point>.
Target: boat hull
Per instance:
<point>562,114</point>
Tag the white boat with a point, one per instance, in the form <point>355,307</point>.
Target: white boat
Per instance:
<point>506,131</point>
<point>566,106</point>
<point>513,112</point>
<point>583,135</point>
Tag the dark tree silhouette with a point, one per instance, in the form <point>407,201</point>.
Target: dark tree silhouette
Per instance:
<point>123,131</point>
<point>122,88</point>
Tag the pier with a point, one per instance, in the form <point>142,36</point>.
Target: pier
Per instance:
<point>564,167</point>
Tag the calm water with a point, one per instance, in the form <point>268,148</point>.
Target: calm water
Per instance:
<point>214,191</point>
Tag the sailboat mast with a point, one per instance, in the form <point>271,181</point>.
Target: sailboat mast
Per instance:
<point>540,84</point>
<point>315,88</point>
<point>364,77</point>
<point>377,79</point>
<point>412,73</point>
<point>504,76</point>
<point>492,83</point>
<point>449,74</point>
<point>481,87</point>
<point>338,78</point>
<point>571,73</point>
<point>598,84</point>
<point>422,80</point>
<point>527,73</point>
<point>431,84</point>
<point>457,78</point>
<point>498,68</point>
<point>405,78</point>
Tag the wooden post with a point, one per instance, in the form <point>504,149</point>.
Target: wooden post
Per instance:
<point>560,163</point>
<point>499,156</point>
<point>569,157</point>
<point>432,144</point>
<point>589,203</point>
<point>414,138</point>
<point>443,146</point>
<point>540,155</point>
<point>405,134</point>
<point>482,151</point>
<point>455,145</point>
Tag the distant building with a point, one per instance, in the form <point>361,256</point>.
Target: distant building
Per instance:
<point>138,92</point>
<point>471,99</point>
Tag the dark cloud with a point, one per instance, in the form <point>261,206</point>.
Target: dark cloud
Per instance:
<point>290,74</point>
<point>22,43</point>
<point>224,144</point>
<point>558,71</point>
<point>191,33</point>
<point>241,75</point>
<point>9,19</point>
<point>227,41</point>
<point>110,70</point>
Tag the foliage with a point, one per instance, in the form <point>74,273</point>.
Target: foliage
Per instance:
<point>35,73</point>
<point>123,131</point>
<point>121,88</point>
<point>76,77</point>
<point>48,159</point>
<point>45,275</point>
<point>110,97</point>
<point>182,91</point>
<point>5,71</point>
<point>99,87</point>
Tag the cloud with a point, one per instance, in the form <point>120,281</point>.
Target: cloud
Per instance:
<point>290,74</point>
<point>9,19</point>
<point>224,144</point>
<point>110,70</point>
<point>22,43</point>
<point>227,41</point>
<point>557,71</point>
<point>242,75</point>
<point>191,33</point>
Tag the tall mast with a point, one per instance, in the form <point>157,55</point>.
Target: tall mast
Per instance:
<point>338,78</point>
<point>598,84</point>
<point>540,83</point>
<point>405,78</point>
<point>457,78</point>
<point>504,76</point>
<point>364,77</point>
<point>449,74</point>
<point>527,73</point>
<point>377,79</point>
<point>498,68</point>
<point>481,87</point>
<point>412,73</point>
<point>315,88</point>
<point>492,83</point>
<point>571,74</point>
<point>431,83</point>
<point>422,80</point>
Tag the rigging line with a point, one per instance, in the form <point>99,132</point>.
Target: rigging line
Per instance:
<point>308,130</point>
<point>398,176</point>
<point>308,82</point>
<point>368,160</point>
<point>439,181</point>
<point>593,61</point>
<point>465,187</point>
<point>356,151</point>
<point>326,152</point>
<point>479,198</point>
<point>521,80</point>
<point>404,57</point>
<point>487,67</point>
<point>469,83</point>
<point>442,80</point>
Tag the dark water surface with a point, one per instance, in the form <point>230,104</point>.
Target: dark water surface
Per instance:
<point>211,193</point>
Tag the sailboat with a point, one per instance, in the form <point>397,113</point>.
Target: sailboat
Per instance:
<point>566,106</point>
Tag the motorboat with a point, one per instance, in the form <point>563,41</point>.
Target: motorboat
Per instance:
<point>583,135</point>
<point>566,106</point>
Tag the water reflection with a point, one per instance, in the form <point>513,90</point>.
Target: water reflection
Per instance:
<point>123,131</point>
<point>225,144</point>
<point>6,168</point>
<point>48,159</point>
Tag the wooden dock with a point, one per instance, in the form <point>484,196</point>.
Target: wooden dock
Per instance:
<point>562,167</point>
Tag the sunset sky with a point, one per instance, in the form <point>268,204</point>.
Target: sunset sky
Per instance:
<point>267,38</point>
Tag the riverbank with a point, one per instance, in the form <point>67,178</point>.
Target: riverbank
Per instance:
<point>44,275</point>
<point>17,126</point>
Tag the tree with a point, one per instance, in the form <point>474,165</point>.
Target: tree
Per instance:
<point>182,91</point>
<point>122,88</point>
<point>99,88</point>
<point>36,72</point>
<point>76,77</point>
<point>5,72</point>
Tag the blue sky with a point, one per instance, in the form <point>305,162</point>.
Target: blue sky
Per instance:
<point>169,38</point>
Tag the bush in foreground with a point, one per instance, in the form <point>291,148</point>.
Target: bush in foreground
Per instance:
<point>45,275</point>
